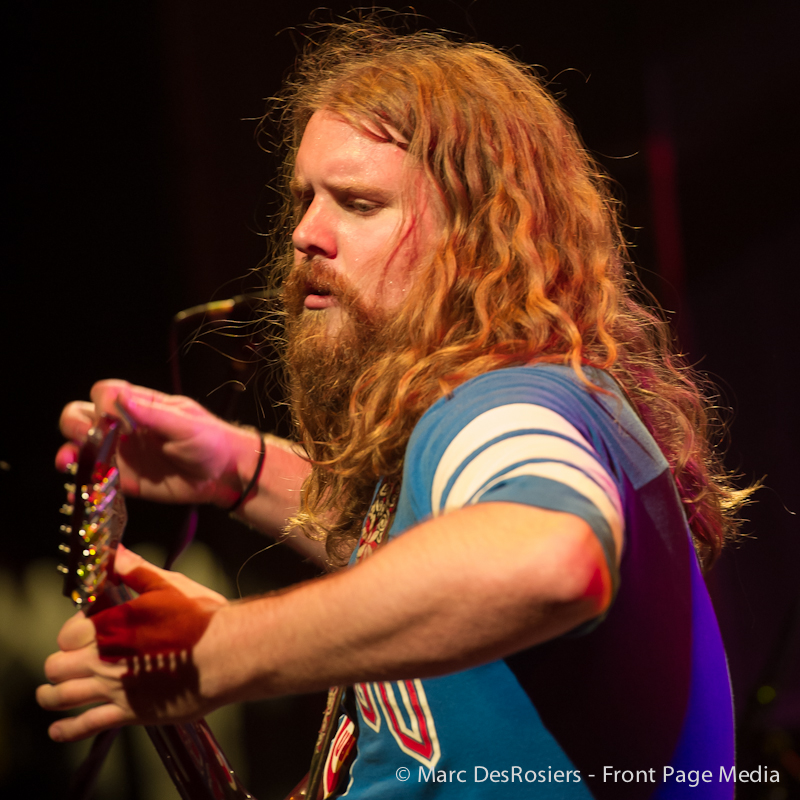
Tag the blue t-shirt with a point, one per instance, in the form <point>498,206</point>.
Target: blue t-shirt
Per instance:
<point>628,706</point>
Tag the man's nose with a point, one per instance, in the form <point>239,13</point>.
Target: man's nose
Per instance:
<point>315,234</point>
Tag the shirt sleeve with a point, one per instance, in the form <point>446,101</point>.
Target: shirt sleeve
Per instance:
<point>502,438</point>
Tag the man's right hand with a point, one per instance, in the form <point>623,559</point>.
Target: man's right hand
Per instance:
<point>179,451</point>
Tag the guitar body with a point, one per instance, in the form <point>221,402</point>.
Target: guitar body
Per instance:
<point>189,751</point>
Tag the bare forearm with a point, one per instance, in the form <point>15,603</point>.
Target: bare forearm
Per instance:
<point>276,497</point>
<point>461,590</point>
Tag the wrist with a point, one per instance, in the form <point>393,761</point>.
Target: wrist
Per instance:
<point>226,657</point>
<point>251,487</point>
<point>238,482</point>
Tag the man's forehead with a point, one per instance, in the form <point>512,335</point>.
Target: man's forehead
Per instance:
<point>382,131</point>
<point>344,147</point>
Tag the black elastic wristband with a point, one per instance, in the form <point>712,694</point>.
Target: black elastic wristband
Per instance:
<point>254,480</point>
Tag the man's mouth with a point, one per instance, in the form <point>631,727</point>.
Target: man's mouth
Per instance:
<point>318,297</point>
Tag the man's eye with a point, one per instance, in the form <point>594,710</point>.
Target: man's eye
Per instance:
<point>362,206</point>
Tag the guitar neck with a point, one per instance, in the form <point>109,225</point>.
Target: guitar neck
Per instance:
<point>195,762</point>
<point>189,751</point>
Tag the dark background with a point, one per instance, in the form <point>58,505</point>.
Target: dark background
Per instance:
<point>135,189</point>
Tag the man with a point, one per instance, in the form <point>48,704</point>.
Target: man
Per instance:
<point>472,379</point>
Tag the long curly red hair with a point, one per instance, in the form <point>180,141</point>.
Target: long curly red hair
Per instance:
<point>530,266</point>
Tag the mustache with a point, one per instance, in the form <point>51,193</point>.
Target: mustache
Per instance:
<point>314,276</point>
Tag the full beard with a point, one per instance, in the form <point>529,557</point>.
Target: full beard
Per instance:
<point>323,368</point>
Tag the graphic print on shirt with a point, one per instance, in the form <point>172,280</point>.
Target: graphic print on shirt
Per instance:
<point>367,705</point>
<point>378,520</point>
<point>340,749</point>
<point>407,713</point>
<point>373,534</point>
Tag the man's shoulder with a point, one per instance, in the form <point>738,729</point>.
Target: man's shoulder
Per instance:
<point>550,386</point>
<point>546,398</point>
<point>497,411</point>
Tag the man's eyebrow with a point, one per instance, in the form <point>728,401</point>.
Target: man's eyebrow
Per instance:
<point>299,187</point>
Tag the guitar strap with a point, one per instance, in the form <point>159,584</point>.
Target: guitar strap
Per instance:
<point>332,754</point>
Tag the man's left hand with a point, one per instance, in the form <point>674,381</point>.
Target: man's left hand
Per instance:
<point>134,662</point>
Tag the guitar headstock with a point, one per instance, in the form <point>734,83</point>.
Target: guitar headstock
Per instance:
<point>97,516</point>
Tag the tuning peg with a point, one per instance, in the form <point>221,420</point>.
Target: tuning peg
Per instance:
<point>110,480</point>
<point>67,509</point>
<point>72,468</point>
<point>66,530</point>
<point>70,487</point>
<point>64,548</point>
<point>61,568</point>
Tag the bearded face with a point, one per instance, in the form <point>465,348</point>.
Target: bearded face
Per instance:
<point>357,246</point>
<point>323,365</point>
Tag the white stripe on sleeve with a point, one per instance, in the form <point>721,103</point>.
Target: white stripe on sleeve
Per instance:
<point>490,425</point>
<point>608,504</point>
<point>555,457</point>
